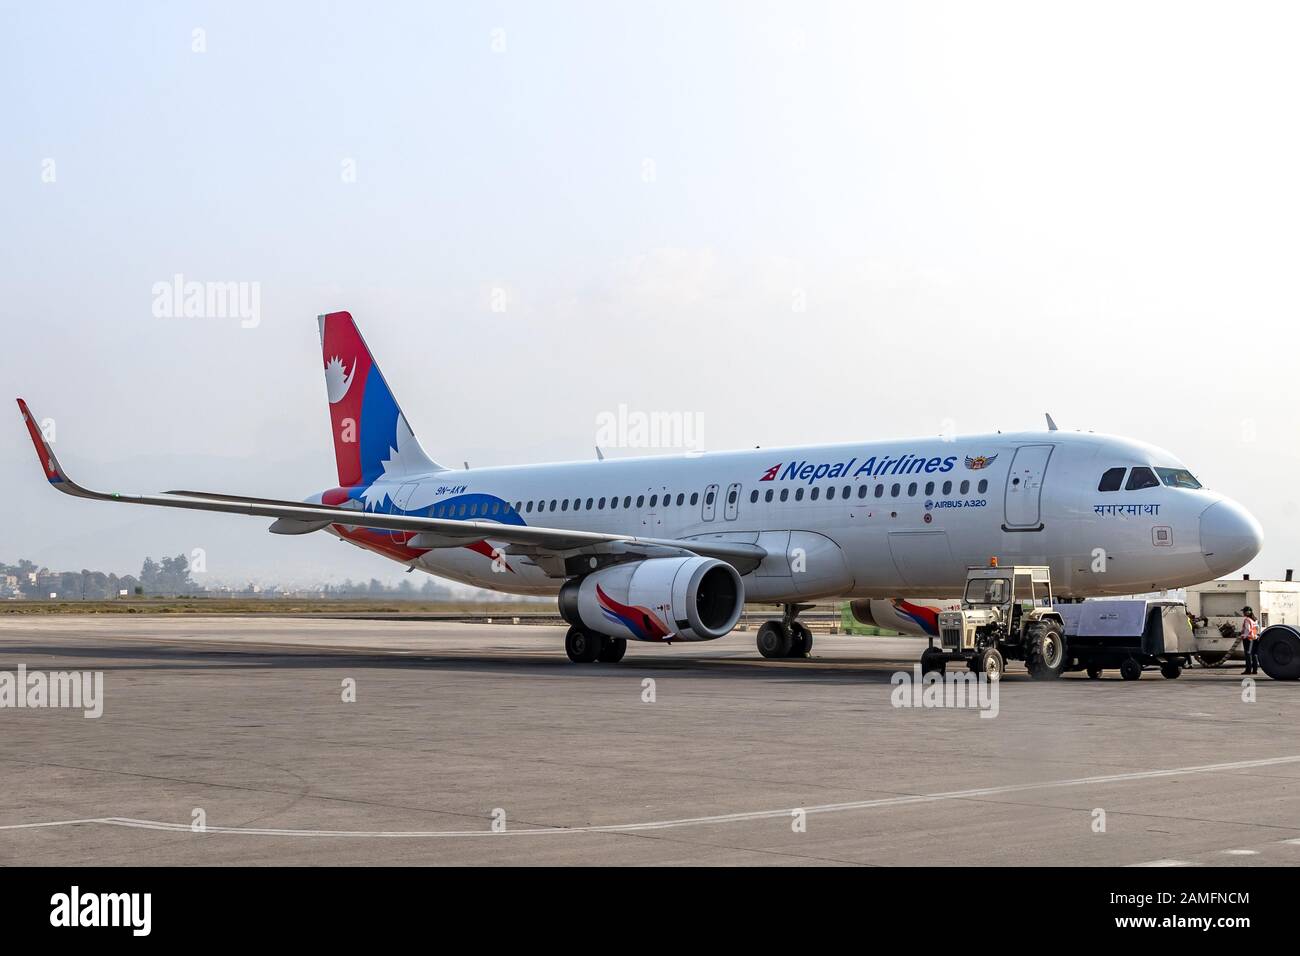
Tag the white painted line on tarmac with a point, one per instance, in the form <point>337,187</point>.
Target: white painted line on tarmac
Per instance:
<point>684,821</point>
<point>1164,863</point>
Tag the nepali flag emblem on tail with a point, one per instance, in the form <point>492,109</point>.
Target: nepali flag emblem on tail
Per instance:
<point>770,474</point>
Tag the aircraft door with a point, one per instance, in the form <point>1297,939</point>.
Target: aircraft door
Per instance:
<point>1025,488</point>
<point>710,502</point>
<point>733,502</point>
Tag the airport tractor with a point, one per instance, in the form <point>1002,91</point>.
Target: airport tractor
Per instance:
<point>1006,614</point>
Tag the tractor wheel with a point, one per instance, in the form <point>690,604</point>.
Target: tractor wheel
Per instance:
<point>932,661</point>
<point>1130,668</point>
<point>990,664</point>
<point>1045,650</point>
<point>1094,672</point>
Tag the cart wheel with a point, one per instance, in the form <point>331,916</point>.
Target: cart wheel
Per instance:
<point>1279,652</point>
<point>1094,672</point>
<point>932,661</point>
<point>1212,658</point>
<point>1130,669</point>
<point>1170,670</point>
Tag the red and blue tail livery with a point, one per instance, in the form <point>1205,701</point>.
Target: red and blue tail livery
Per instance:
<point>371,437</point>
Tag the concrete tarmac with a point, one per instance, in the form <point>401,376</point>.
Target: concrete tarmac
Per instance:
<point>692,754</point>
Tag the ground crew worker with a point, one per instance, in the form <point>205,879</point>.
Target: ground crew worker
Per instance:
<point>1250,640</point>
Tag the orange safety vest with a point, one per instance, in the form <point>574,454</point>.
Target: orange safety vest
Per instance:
<point>1249,629</point>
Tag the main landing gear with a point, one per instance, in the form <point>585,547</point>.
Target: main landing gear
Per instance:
<point>586,647</point>
<point>788,637</point>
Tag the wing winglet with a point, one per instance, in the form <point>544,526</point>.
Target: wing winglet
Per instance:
<point>54,472</point>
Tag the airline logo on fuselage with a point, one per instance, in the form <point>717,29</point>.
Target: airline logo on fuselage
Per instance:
<point>907,464</point>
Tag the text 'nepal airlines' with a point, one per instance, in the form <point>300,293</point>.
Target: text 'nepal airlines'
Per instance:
<point>670,548</point>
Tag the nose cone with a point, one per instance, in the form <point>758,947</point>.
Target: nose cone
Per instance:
<point>1230,537</point>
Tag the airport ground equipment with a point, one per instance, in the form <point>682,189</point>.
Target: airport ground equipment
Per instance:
<point>1006,614</point>
<point>1129,634</point>
<point>1279,651</point>
<point>1216,608</point>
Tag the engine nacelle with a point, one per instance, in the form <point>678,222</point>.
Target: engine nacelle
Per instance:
<point>658,599</point>
<point>919,616</point>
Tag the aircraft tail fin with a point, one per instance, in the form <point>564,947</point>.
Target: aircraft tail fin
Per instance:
<point>371,436</point>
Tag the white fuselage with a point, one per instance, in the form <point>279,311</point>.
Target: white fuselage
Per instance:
<point>873,519</point>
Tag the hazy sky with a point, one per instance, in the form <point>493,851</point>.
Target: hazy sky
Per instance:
<point>799,222</point>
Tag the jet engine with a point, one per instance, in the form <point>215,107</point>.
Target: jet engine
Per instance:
<point>657,599</point>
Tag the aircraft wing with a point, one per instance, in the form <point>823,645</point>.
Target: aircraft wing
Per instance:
<point>300,518</point>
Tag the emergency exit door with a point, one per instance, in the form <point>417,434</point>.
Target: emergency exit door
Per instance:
<point>730,510</point>
<point>710,502</point>
<point>1025,488</point>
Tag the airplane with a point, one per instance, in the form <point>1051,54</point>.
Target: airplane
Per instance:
<point>670,548</point>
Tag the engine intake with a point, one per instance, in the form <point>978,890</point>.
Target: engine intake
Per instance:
<point>658,599</point>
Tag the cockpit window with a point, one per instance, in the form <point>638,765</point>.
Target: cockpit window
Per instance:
<point>1140,478</point>
<point>1178,478</point>
<point>1111,479</point>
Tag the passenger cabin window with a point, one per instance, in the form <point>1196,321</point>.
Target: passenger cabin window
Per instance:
<point>708,499</point>
<point>695,497</point>
<point>983,485</point>
<point>768,495</point>
<point>1140,478</point>
<point>862,491</point>
<point>753,497</point>
<point>1111,479</point>
<point>798,494</point>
